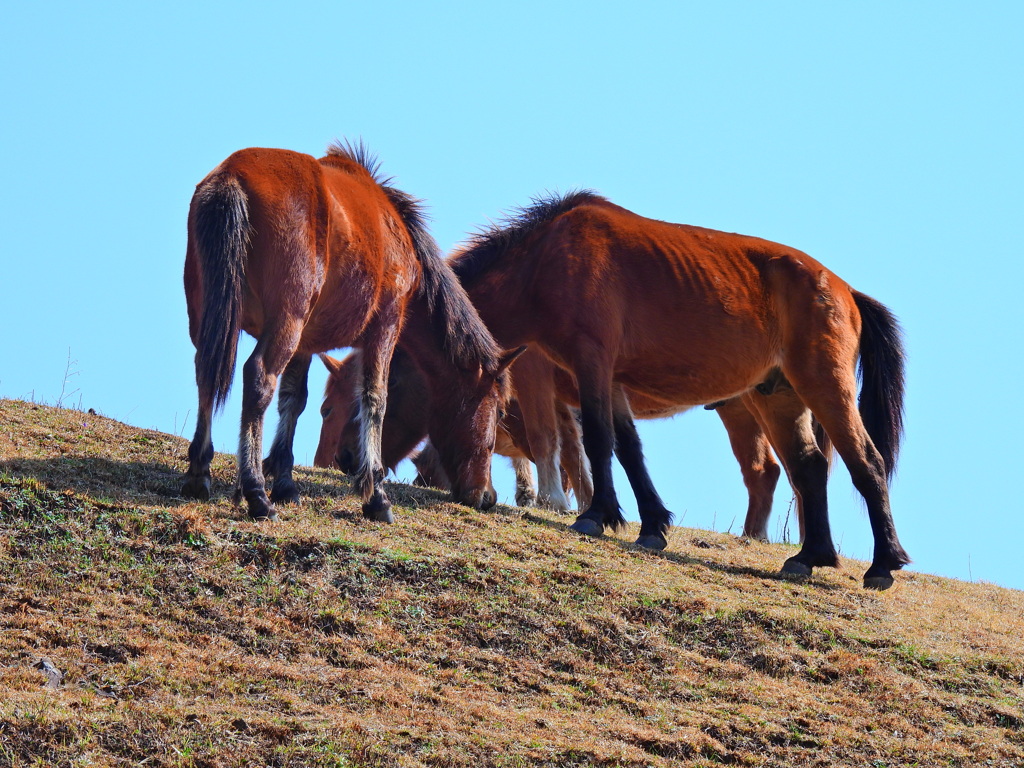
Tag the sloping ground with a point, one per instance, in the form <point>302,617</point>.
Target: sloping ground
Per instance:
<point>187,636</point>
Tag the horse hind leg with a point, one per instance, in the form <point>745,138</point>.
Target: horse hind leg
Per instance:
<point>760,471</point>
<point>838,414</point>
<point>198,481</point>
<point>789,428</point>
<point>291,401</point>
<point>268,360</point>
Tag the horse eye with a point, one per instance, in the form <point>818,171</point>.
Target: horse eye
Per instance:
<point>325,411</point>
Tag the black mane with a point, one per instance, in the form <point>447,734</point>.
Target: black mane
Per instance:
<point>360,154</point>
<point>489,243</point>
<point>460,331</point>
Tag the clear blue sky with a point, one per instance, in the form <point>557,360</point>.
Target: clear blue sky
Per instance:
<point>885,139</point>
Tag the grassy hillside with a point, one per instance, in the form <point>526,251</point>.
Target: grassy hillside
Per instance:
<point>187,636</point>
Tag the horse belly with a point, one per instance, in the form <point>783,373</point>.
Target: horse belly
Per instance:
<point>341,313</point>
<point>701,363</point>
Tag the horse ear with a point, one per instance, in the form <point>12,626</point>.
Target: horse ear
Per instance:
<point>333,366</point>
<point>508,357</point>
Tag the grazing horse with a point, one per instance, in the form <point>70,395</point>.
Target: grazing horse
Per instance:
<point>538,425</point>
<point>685,316</point>
<point>308,255</point>
<point>406,424</point>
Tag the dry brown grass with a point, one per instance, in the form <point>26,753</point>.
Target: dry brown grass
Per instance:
<point>188,636</point>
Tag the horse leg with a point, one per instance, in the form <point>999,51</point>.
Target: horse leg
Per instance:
<point>429,472</point>
<point>268,360</point>
<point>200,455</point>
<point>574,461</point>
<point>593,375</point>
<point>550,493</point>
<point>655,519</point>
<point>789,427</point>
<point>526,496</point>
<point>291,401</point>
<point>835,408</point>
<point>535,395</point>
<point>377,350</point>
<point>760,471</point>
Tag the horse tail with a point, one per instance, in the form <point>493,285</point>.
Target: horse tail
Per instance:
<point>222,232</point>
<point>883,378</point>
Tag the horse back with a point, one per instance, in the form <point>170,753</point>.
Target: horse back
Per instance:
<point>327,246</point>
<point>665,301</point>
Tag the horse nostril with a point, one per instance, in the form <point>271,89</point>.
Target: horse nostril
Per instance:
<point>488,499</point>
<point>346,461</point>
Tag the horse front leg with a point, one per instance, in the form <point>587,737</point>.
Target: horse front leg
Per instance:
<point>526,496</point>
<point>655,519</point>
<point>535,394</point>
<point>595,386</point>
<point>574,461</point>
<point>377,352</point>
<point>291,401</point>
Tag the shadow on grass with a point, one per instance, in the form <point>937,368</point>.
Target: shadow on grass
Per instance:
<point>147,482</point>
<point>159,484</point>
<point>682,558</point>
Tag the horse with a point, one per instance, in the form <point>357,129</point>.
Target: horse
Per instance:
<point>405,425</point>
<point>689,316</point>
<point>307,255</point>
<point>538,425</point>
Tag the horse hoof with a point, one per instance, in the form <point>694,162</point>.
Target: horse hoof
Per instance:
<point>587,527</point>
<point>655,541</point>
<point>880,583</point>
<point>196,488</point>
<point>526,500</point>
<point>794,567</point>
<point>288,494</point>
<point>378,512</point>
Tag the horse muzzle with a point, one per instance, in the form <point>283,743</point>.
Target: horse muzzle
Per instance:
<point>480,498</point>
<point>345,460</point>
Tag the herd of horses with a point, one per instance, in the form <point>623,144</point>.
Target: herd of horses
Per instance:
<point>542,338</point>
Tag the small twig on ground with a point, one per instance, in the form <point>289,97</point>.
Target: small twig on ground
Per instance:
<point>785,520</point>
<point>68,374</point>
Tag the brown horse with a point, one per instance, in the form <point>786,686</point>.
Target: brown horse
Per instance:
<point>537,425</point>
<point>686,316</point>
<point>309,255</point>
<point>406,424</point>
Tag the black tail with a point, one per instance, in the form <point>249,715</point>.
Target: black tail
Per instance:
<point>882,378</point>
<point>222,230</point>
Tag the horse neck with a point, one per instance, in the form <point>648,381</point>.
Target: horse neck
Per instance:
<point>502,304</point>
<point>423,342</point>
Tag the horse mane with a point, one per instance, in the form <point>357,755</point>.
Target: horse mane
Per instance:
<point>460,331</point>
<point>488,244</point>
<point>359,154</point>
